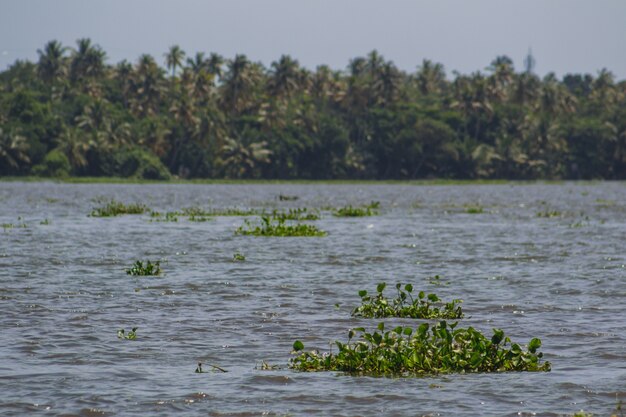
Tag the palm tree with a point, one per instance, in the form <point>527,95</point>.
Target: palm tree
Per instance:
<point>75,146</point>
<point>51,66</point>
<point>87,61</point>
<point>283,77</point>
<point>238,83</point>
<point>430,77</point>
<point>214,64</point>
<point>174,58</point>
<point>147,85</point>
<point>13,151</point>
<point>240,161</point>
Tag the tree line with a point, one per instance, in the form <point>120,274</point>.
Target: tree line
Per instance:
<point>73,114</point>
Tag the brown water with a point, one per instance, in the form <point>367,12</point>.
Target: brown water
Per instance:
<point>64,294</point>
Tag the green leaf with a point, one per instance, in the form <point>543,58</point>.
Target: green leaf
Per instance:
<point>381,287</point>
<point>433,298</point>
<point>497,337</point>
<point>298,345</point>
<point>422,294</point>
<point>534,344</point>
<point>408,287</point>
<point>362,293</point>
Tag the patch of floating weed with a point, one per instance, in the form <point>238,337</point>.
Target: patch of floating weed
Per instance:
<point>195,218</point>
<point>269,227</point>
<point>45,222</point>
<point>170,216</point>
<point>131,335</point>
<point>439,349</point>
<point>295,214</point>
<point>238,257</point>
<point>436,280</point>
<point>233,212</point>
<point>474,210</point>
<point>117,208</point>
<point>264,366</point>
<point>423,306</point>
<point>349,211</point>
<point>139,269</point>
<point>284,197</point>
<point>214,368</point>
<point>549,214</point>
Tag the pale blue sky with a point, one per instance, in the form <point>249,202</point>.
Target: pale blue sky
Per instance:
<point>465,35</point>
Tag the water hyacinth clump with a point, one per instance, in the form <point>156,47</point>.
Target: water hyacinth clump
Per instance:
<point>295,214</point>
<point>349,211</point>
<point>150,268</point>
<point>116,208</point>
<point>423,306</point>
<point>280,228</point>
<point>439,349</point>
<point>131,335</point>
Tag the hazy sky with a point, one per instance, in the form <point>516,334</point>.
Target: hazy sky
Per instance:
<point>565,35</point>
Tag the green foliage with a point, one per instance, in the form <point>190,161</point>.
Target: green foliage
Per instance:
<point>423,306</point>
<point>474,210</point>
<point>374,121</point>
<point>295,214</point>
<point>139,269</point>
<point>349,211</point>
<point>238,257</point>
<point>117,208</point>
<point>549,214</point>
<point>439,349</point>
<point>131,335</point>
<point>280,228</point>
<point>55,164</point>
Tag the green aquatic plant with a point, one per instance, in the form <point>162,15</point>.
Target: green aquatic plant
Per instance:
<point>45,222</point>
<point>238,257</point>
<point>195,218</point>
<point>139,269</point>
<point>132,335</point>
<point>349,211</point>
<point>284,197</point>
<point>117,208</point>
<point>170,216</point>
<point>423,306</point>
<point>295,214</point>
<point>280,228</point>
<point>474,210</point>
<point>549,214</point>
<point>439,349</point>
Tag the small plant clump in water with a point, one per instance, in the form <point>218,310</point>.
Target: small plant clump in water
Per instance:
<point>404,305</point>
<point>295,214</point>
<point>437,350</point>
<point>45,222</point>
<point>549,214</point>
<point>116,208</point>
<point>474,210</point>
<point>280,228</point>
<point>170,216</point>
<point>139,269</point>
<point>132,335</point>
<point>238,257</point>
<point>349,211</point>
<point>284,197</point>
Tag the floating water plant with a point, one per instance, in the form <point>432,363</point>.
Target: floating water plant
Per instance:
<point>474,210</point>
<point>132,335</point>
<point>170,216</point>
<point>269,227</point>
<point>439,349</point>
<point>549,214</point>
<point>238,257</point>
<point>295,214</point>
<point>45,222</point>
<point>195,218</point>
<point>139,269</point>
<point>116,208</point>
<point>284,197</point>
<point>349,211</point>
<point>405,305</point>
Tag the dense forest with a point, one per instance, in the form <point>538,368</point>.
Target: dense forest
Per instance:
<point>73,114</point>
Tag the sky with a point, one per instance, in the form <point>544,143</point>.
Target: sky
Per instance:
<point>565,36</point>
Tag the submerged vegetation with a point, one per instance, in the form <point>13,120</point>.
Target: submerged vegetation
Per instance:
<point>116,208</point>
<point>439,349</point>
<point>404,305</point>
<point>72,113</point>
<point>139,269</point>
<point>270,227</point>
